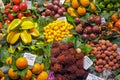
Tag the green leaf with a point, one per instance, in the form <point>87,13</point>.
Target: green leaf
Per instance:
<point>39,59</point>
<point>84,18</point>
<point>117,71</point>
<point>23,72</point>
<point>70,19</point>
<point>46,63</point>
<point>118,77</point>
<point>92,57</point>
<point>85,48</point>
<point>73,32</point>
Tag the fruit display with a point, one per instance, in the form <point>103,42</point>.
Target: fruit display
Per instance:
<point>59,40</point>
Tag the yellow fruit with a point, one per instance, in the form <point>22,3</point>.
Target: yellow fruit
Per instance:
<point>12,74</point>
<point>36,68</point>
<point>21,63</point>
<point>11,49</point>
<point>26,37</point>
<point>93,7</point>
<point>13,24</point>
<point>75,3</point>
<point>13,37</point>
<point>9,61</point>
<point>34,32</point>
<point>27,25</point>
<point>42,76</point>
<point>84,3</point>
<point>3,78</point>
<point>81,11</point>
<point>28,76</point>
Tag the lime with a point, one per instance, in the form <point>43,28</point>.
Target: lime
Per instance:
<point>110,6</point>
<point>102,5</point>
<point>106,1</point>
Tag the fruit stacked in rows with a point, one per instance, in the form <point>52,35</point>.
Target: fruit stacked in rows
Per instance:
<point>107,56</point>
<point>66,63</point>
<point>57,30</point>
<point>94,28</point>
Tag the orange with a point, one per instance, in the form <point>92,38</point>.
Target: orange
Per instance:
<point>1,74</point>
<point>12,74</point>
<point>115,17</point>
<point>117,24</point>
<point>93,7</point>
<point>71,11</point>
<point>28,76</point>
<point>3,78</point>
<point>0,25</point>
<point>36,68</point>
<point>9,61</point>
<point>75,3</point>
<point>85,3</point>
<point>81,11</point>
<point>21,63</point>
<point>42,76</point>
<point>110,25</point>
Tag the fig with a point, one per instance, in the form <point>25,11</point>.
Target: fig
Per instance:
<point>79,28</point>
<point>88,30</point>
<point>55,8</point>
<point>56,16</point>
<point>98,20</point>
<point>77,20</point>
<point>60,11</point>
<point>91,18</point>
<point>50,6</point>
<point>84,36</point>
<point>92,36</point>
<point>47,12</point>
<point>96,29</point>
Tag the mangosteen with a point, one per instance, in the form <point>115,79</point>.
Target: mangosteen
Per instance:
<point>96,29</point>
<point>77,20</point>
<point>88,30</point>
<point>92,36</point>
<point>91,18</point>
<point>84,36</point>
<point>98,20</point>
<point>79,28</point>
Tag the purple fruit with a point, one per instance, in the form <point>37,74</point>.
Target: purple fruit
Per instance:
<point>91,18</point>
<point>98,20</point>
<point>88,30</point>
<point>55,8</point>
<point>60,11</point>
<point>56,16</point>
<point>56,2</point>
<point>64,13</point>
<point>77,20</point>
<point>53,12</point>
<point>79,28</point>
<point>47,12</point>
<point>50,6</point>
<point>84,36</point>
<point>96,29</point>
<point>92,36</point>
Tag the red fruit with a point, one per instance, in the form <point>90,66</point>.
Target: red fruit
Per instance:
<point>34,16</point>
<point>5,19</point>
<point>23,6</point>
<point>15,8</point>
<point>20,15</point>
<point>16,2</point>
<point>10,16</point>
<point>7,6</point>
<point>8,21</point>
<point>28,14</point>
<point>6,11</point>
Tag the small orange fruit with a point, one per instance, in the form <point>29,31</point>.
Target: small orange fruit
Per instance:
<point>28,76</point>
<point>85,3</point>
<point>42,76</point>
<point>21,63</point>
<point>110,25</point>
<point>75,3</point>
<point>117,24</point>
<point>93,7</point>
<point>115,17</point>
<point>12,74</point>
<point>81,11</point>
<point>3,78</point>
<point>9,61</point>
<point>1,74</point>
<point>36,68</point>
<point>42,66</point>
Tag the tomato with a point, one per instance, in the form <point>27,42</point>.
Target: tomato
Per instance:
<point>6,11</point>
<point>117,24</point>
<point>20,15</point>
<point>7,6</point>
<point>15,8</point>
<point>16,2</point>
<point>10,16</point>
<point>8,21</point>
<point>23,6</point>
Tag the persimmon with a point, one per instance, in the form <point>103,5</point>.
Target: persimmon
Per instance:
<point>117,24</point>
<point>75,4</point>
<point>81,11</point>
<point>115,17</point>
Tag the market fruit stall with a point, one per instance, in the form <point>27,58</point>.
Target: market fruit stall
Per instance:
<point>60,40</point>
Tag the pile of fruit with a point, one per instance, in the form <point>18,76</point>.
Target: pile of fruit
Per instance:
<point>59,39</point>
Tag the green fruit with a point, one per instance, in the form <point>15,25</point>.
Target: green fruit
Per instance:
<point>102,5</point>
<point>104,12</point>
<point>106,1</point>
<point>111,12</point>
<point>110,6</point>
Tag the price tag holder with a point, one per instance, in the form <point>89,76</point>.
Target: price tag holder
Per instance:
<point>29,4</point>
<point>1,4</point>
<point>87,62</point>
<point>62,18</point>
<point>62,1</point>
<point>30,58</point>
<point>93,77</point>
<point>103,20</point>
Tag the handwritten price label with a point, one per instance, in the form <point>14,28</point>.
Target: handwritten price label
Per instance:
<point>87,62</point>
<point>30,58</point>
<point>62,1</point>
<point>29,4</point>
<point>62,18</point>
<point>93,77</point>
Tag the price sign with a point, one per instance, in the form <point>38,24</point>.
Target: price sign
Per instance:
<point>1,4</point>
<point>62,18</point>
<point>30,58</point>
<point>62,1</point>
<point>93,77</point>
<point>29,4</point>
<point>103,20</point>
<point>87,62</point>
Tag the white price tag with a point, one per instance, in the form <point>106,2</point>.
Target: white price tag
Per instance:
<point>103,20</point>
<point>62,18</point>
<point>87,62</point>
<point>29,4</point>
<point>93,77</point>
<point>1,4</point>
<point>118,50</point>
<point>30,58</point>
<point>62,1</point>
